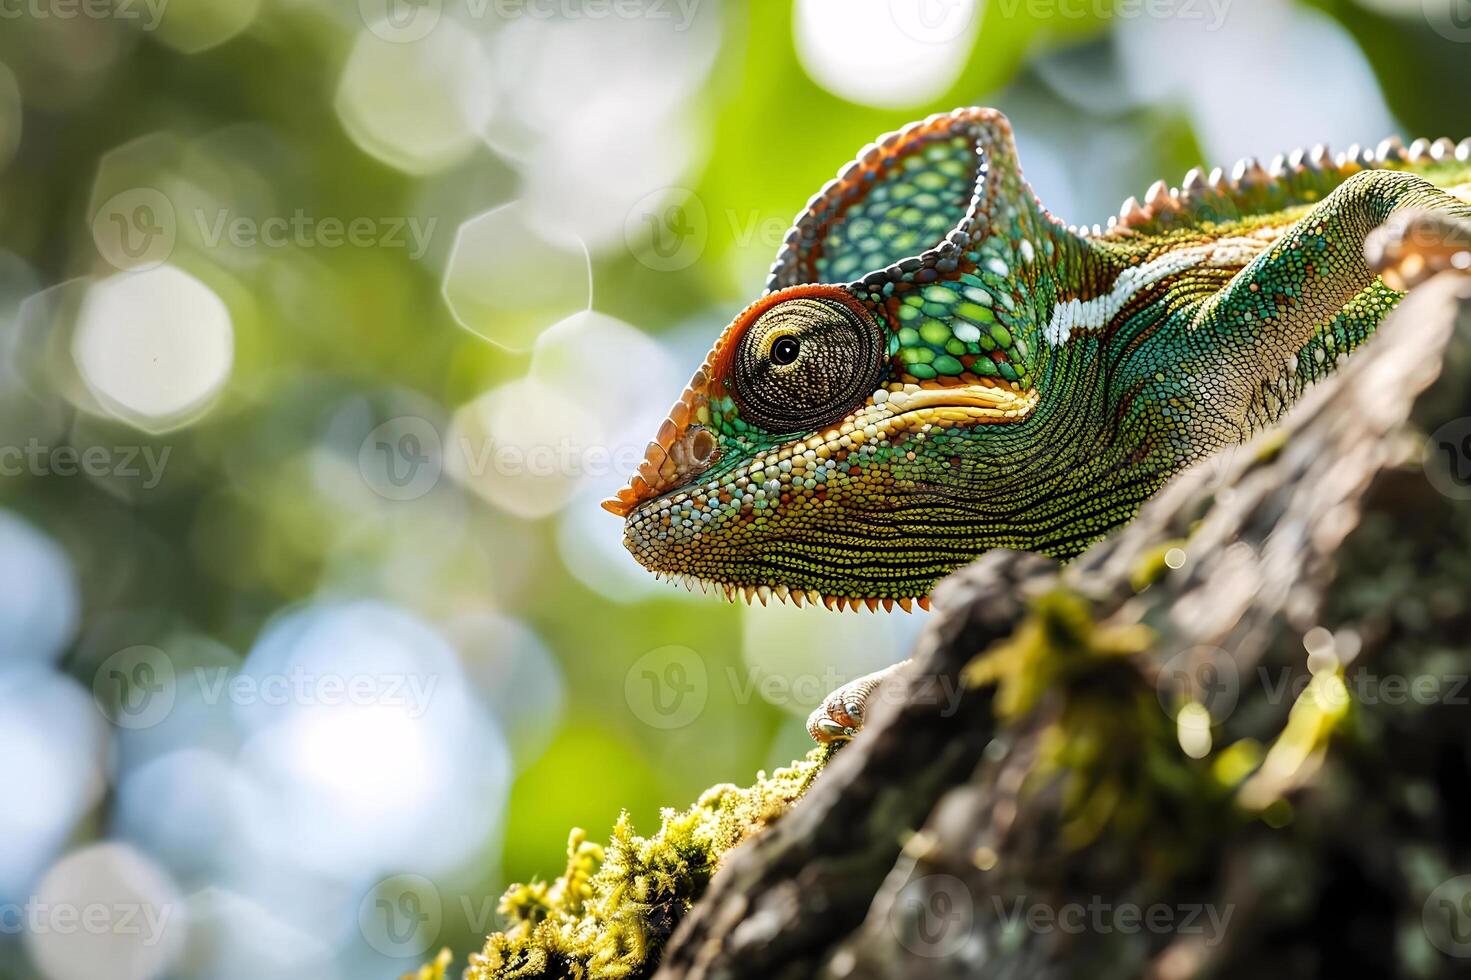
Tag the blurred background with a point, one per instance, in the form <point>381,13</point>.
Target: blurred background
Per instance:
<point>326,324</point>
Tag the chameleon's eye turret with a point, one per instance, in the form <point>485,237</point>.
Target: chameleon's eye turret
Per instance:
<point>806,362</point>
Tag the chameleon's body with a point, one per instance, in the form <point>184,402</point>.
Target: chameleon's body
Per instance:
<point>940,367</point>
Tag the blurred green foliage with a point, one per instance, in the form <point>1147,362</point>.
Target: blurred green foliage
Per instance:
<point>246,524</point>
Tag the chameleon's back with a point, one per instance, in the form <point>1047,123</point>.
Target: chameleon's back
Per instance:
<point>1254,208</point>
<point>1251,194</point>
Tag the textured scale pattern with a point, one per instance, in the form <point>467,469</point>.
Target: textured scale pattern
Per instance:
<point>954,329</point>
<point>1035,383</point>
<point>915,205</point>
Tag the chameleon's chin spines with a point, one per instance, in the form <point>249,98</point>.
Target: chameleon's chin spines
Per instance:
<point>767,594</point>
<point>1355,157</point>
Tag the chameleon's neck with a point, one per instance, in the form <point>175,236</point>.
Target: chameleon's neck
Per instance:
<point>1052,267</point>
<point>1078,451</point>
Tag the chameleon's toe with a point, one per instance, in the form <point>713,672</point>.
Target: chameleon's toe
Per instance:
<point>1412,246</point>
<point>837,719</point>
<point>825,729</point>
<point>841,714</point>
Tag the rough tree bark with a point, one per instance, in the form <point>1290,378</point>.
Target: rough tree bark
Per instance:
<point>1230,741</point>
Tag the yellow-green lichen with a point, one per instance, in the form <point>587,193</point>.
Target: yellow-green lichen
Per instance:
<point>610,912</point>
<point>1153,565</point>
<point>1057,641</point>
<point>1301,747</point>
<point>1270,446</point>
<point>1105,740</point>
<point>435,969</point>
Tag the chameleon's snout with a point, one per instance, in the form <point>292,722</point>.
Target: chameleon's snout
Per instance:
<point>682,449</point>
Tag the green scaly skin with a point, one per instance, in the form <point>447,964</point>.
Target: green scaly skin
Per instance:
<point>939,367</point>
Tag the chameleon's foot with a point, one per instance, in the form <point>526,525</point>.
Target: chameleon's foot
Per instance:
<point>841,713</point>
<point>1414,245</point>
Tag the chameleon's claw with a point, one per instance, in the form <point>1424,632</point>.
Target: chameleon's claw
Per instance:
<point>827,730</point>
<point>1414,245</point>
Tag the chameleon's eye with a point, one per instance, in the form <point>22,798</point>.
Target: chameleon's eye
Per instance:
<point>805,363</point>
<point>784,350</point>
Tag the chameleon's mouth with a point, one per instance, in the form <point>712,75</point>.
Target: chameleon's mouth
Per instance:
<point>797,513</point>
<point>915,405</point>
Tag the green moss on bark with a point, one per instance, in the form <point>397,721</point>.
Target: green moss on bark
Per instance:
<point>610,912</point>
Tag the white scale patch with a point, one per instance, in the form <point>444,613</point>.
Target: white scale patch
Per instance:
<point>1092,315</point>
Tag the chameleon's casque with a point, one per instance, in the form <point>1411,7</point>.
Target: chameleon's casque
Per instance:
<point>940,367</point>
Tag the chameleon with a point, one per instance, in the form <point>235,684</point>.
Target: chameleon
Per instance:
<point>938,366</point>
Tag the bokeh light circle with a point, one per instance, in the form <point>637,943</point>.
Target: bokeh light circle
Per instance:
<point>105,910</point>
<point>155,348</point>
<point>40,601</point>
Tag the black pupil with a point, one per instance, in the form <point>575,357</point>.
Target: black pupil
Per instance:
<point>784,351</point>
